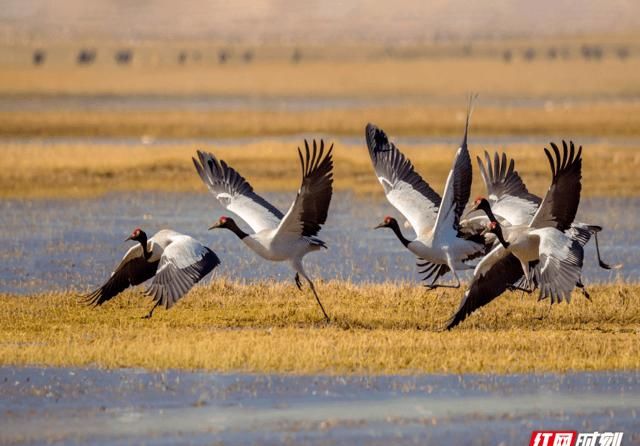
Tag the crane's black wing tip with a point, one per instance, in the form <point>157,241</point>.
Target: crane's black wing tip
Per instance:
<point>461,314</point>
<point>95,298</point>
<point>377,139</point>
<point>453,322</point>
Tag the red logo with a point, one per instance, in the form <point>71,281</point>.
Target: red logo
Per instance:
<point>553,438</point>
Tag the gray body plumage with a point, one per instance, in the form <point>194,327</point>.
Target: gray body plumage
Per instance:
<point>439,244</point>
<point>176,263</point>
<point>277,237</point>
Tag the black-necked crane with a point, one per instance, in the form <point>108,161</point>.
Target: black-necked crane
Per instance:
<point>276,237</point>
<point>547,249</point>
<point>175,261</point>
<point>439,244</point>
<point>511,202</point>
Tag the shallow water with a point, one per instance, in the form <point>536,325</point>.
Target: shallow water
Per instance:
<point>484,141</point>
<point>90,406</point>
<point>204,102</point>
<point>61,244</point>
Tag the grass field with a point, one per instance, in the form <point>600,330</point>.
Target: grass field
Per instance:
<point>72,170</point>
<point>271,327</point>
<point>591,118</point>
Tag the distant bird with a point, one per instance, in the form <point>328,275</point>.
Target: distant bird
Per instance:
<point>175,261</point>
<point>223,56</point>
<point>123,56</point>
<point>276,237</point>
<point>86,57</point>
<point>39,57</point>
<point>548,250</point>
<point>439,244</point>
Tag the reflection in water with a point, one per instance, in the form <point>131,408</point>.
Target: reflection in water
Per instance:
<point>61,244</point>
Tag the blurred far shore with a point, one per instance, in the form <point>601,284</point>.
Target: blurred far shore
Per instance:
<point>78,79</point>
<point>357,53</point>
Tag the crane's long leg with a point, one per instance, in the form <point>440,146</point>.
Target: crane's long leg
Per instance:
<point>297,265</point>
<point>450,264</point>
<point>521,285</point>
<point>432,285</point>
<point>313,288</point>
<point>298,283</point>
<point>528,285</point>
<point>430,270</point>
<point>580,285</point>
<point>519,288</point>
<point>148,316</point>
<point>602,264</point>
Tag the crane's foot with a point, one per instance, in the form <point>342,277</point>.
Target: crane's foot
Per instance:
<point>604,265</point>
<point>582,288</point>
<point>148,316</point>
<point>298,283</point>
<point>519,288</point>
<point>433,286</point>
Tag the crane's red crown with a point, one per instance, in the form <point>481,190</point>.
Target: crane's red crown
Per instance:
<point>223,219</point>
<point>478,200</point>
<point>136,232</point>
<point>388,219</point>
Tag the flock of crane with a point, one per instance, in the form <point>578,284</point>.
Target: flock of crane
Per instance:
<point>522,242</point>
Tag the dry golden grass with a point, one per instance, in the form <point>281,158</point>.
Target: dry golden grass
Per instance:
<point>437,78</point>
<point>271,327</point>
<point>75,170</point>
<point>597,118</point>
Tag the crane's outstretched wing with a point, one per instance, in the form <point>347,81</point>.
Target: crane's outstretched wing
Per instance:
<point>404,187</point>
<point>183,264</point>
<point>506,192</point>
<point>560,264</point>
<point>457,188</point>
<point>504,272</point>
<point>235,193</point>
<point>560,204</point>
<point>134,269</point>
<point>309,210</point>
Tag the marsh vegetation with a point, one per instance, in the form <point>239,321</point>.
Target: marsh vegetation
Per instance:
<point>376,328</point>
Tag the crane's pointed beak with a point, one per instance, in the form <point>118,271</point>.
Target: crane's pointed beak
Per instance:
<point>216,225</point>
<point>128,238</point>
<point>470,211</point>
<point>381,225</point>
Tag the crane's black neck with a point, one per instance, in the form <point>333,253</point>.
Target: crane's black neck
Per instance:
<point>145,248</point>
<point>486,207</point>
<point>396,229</point>
<point>233,227</point>
<point>498,232</point>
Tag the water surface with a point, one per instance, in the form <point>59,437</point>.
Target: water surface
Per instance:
<point>63,243</point>
<point>90,406</point>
